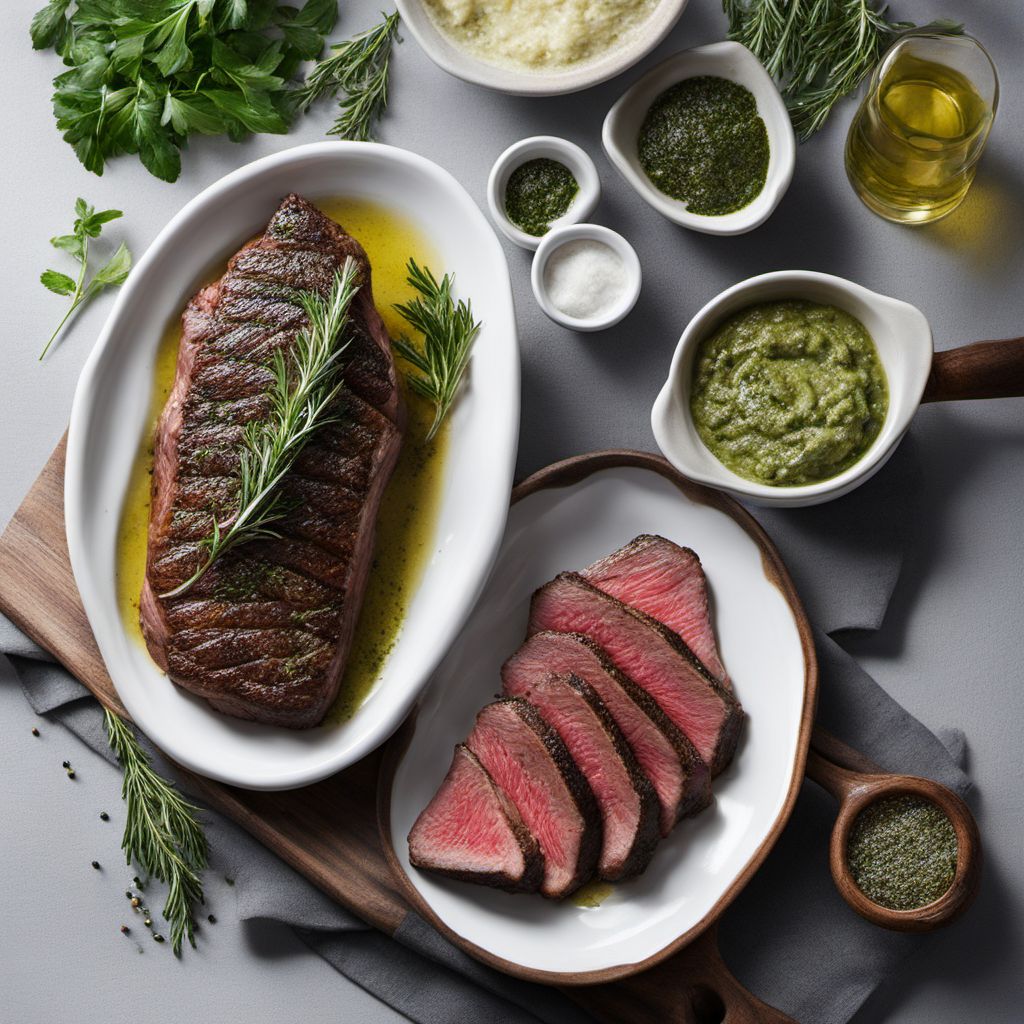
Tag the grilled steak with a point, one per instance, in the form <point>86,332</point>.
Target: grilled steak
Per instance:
<point>527,759</point>
<point>265,634</point>
<point>625,796</point>
<point>473,832</point>
<point>667,582</point>
<point>679,775</point>
<point>652,655</point>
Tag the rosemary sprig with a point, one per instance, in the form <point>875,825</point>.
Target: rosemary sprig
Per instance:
<point>358,68</point>
<point>818,50</point>
<point>448,330</point>
<point>302,395</point>
<point>162,833</point>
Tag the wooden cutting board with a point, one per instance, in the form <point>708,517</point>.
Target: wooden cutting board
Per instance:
<point>328,831</point>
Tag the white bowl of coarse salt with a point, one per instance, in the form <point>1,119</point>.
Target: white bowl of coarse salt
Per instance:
<point>585,277</point>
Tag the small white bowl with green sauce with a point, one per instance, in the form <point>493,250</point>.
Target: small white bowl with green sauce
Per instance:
<point>526,152</point>
<point>625,122</point>
<point>902,340</point>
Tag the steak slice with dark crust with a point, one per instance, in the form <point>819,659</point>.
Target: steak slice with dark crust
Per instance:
<point>265,633</point>
<point>528,760</point>
<point>667,582</point>
<point>678,773</point>
<point>625,796</point>
<point>472,831</point>
<point>652,655</point>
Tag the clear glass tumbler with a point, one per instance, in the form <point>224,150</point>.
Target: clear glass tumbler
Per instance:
<point>915,142</point>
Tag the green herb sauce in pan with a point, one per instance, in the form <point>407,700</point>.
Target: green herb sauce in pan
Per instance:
<point>703,142</point>
<point>789,393</point>
<point>902,852</point>
<point>537,193</point>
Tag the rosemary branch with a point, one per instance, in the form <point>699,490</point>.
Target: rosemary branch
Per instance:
<point>162,833</point>
<point>358,68</point>
<point>305,385</point>
<point>448,330</point>
<point>818,50</point>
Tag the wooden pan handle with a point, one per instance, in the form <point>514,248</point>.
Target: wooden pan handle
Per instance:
<point>692,987</point>
<point>986,369</point>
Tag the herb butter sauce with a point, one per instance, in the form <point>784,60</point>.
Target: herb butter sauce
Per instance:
<point>789,393</point>
<point>408,513</point>
<point>538,192</point>
<point>703,143</point>
<point>902,852</point>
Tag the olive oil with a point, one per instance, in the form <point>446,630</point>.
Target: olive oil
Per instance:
<point>914,144</point>
<point>408,514</point>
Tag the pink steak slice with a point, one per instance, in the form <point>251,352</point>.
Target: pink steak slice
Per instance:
<point>678,773</point>
<point>527,759</point>
<point>625,796</point>
<point>472,831</point>
<point>651,654</point>
<point>667,582</point>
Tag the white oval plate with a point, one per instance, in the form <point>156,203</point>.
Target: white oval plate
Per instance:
<point>699,868</point>
<point>109,416</point>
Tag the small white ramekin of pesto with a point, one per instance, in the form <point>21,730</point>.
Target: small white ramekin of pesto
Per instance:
<point>788,393</point>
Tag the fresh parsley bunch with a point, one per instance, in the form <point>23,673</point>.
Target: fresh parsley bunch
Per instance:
<point>144,75</point>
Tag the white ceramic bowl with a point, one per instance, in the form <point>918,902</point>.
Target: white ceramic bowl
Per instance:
<point>723,60</point>
<point>536,148</point>
<point>558,237</point>
<point>110,415</point>
<point>904,342</point>
<point>519,82</point>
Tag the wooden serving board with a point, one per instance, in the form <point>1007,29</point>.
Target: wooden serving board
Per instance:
<point>328,831</point>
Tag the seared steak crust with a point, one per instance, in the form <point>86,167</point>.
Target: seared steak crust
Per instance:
<point>265,634</point>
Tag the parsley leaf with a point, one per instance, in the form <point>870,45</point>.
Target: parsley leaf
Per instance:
<point>141,76</point>
<point>88,224</point>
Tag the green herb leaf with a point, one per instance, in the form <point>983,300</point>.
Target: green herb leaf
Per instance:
<point>818,51</point>
<point>306,385</point>
<point>448,330</point>
<point>162,833</point>
<point>49,25</point>
<point>358,70</point>
<point>57,282</point>
<point>141,76</point>
<point>88,224</point>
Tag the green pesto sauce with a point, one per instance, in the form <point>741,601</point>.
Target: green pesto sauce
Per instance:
<point>702,142</point>
<point>537,193</point>
<point>902,852</point>
<point>789,393</point>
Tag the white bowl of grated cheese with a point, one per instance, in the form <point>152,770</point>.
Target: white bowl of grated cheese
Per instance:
<point>585,276</point>
<point>534,47</point>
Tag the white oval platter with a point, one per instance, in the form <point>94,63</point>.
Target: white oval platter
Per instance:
<point>572,514</point>
<point>109,416</point>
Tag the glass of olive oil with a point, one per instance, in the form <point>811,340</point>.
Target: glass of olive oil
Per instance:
<point>915,142</point>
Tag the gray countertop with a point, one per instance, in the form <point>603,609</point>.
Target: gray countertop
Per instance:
<point>950,647</point>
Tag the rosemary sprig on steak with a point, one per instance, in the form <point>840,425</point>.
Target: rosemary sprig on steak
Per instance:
<point>448,330</point>
<point>162,833</point>
<point>307,381</point>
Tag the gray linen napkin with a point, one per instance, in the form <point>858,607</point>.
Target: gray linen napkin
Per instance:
<point>789,936</point>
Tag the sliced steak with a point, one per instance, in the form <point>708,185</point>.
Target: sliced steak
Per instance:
<point>265,634</point>
<point>671,762</point>
<point>652,655</point>
<point>625,796</point>
<point>668,583</point>
<point>527,759</point>
<point>472,831</point>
